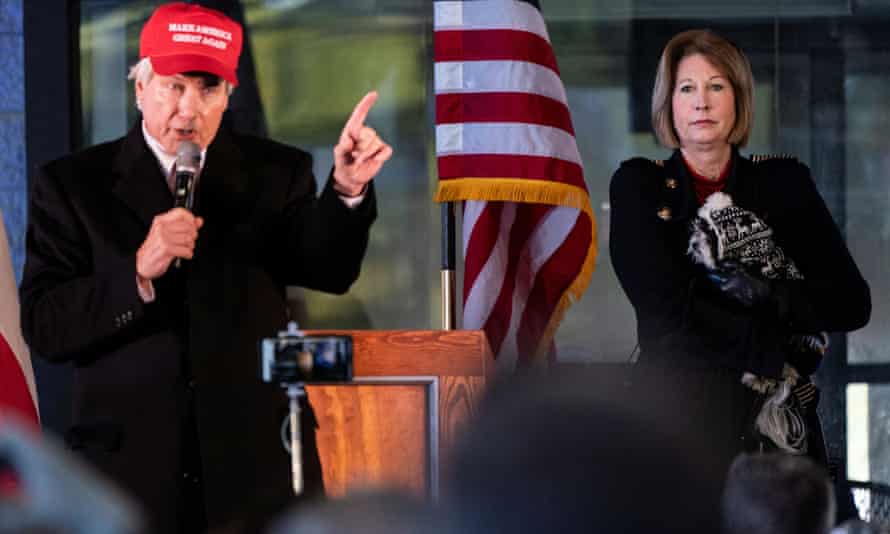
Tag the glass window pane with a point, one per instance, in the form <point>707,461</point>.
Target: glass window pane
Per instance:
<point>314,62</point>
<point>868,432</point>
<point>868,200</point>
<point>109,44</point>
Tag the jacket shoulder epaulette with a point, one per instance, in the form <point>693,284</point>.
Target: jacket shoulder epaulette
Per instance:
<point>760,158</point>
<point>642,161</point>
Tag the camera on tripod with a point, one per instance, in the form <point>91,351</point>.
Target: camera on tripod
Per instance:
<point>293,358</point>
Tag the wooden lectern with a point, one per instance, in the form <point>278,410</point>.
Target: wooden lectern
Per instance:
<point>396,424</point>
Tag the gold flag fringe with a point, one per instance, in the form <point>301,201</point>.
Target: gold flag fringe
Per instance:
<point>514,190</point>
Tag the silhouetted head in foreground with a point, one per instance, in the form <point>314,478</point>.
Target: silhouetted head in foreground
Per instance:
<point>777,493</point>
<point>578,451</point>
<point>371,512</point>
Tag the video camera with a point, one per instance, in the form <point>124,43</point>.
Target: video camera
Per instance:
<point>293,358</point>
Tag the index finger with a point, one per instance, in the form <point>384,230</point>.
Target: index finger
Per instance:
<point>360,113</point>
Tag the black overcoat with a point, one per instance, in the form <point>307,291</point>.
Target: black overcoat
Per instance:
<point>139,367</point>
<point>696,343</point>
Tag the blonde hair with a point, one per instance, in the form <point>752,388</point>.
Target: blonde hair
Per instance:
<point>725,57</point>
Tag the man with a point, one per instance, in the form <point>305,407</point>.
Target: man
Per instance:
<point>166,396</point>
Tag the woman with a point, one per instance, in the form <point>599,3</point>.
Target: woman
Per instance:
<point>732,292</point>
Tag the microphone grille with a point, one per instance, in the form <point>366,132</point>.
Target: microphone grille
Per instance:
<point>188,156</point>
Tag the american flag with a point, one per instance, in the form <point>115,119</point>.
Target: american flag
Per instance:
<point>505,145</point>
<point>18,393</point>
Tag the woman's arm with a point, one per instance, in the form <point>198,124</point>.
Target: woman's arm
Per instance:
<point>833,296</point>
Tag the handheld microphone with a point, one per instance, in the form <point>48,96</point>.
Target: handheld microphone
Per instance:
<point>188,162</point>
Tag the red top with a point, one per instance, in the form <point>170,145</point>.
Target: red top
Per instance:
<point>704,186</point>
<point>14,394</point>
<point>15,401</point>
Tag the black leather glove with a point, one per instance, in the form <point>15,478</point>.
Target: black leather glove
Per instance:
<point>806,351</point>
<point>734,281</point>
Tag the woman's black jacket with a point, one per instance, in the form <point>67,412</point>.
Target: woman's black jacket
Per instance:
<point>680,318</point>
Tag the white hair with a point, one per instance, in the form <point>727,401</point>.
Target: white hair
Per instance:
<point>143,71</point>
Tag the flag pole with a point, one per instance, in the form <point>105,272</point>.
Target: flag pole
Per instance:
<point>448,263</point>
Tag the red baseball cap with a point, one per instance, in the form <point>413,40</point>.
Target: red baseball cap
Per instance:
<point>181,37</point>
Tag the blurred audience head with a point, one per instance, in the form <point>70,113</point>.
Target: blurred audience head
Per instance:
<point>44,489</point>
<point>857,526</point>
<point>777,493</point>
<point>578,451</point>
<point>383,512</point>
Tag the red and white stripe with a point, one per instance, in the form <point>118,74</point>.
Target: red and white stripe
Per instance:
<point>502,120</point>
<point>18,392</point>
